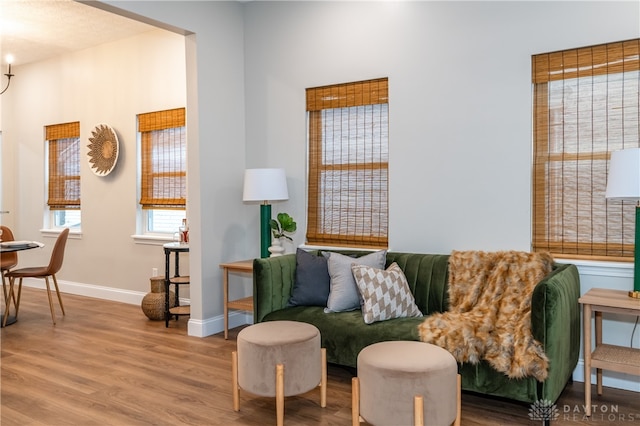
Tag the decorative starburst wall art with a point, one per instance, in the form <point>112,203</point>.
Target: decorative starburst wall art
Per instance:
<point>103,150</point>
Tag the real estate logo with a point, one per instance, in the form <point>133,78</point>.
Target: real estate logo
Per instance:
<point>543,410</point>
<point>599,413</point>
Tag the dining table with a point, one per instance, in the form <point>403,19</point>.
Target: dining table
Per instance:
<point>9,247</point>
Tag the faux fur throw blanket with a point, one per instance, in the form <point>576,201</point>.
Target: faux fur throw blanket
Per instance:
<point>490,311</point>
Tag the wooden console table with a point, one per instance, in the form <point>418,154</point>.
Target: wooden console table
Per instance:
<point>609,357</point>
<point>244,304</point>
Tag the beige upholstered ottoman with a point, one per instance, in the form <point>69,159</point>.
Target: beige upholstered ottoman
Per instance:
<point>279,358</point>
<point>406,383</point>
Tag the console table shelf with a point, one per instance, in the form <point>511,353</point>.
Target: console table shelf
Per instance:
<point>616,358</point>
<point>245,304</point>
<point>180,310</point>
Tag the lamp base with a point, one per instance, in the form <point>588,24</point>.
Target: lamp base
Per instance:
<point>635,294</point>
<point>265,229</point>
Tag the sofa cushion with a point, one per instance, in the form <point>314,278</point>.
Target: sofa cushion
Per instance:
<point>344,334</point>
<point>385,293</point>
<point>311,285</point>
<point>344,294</point>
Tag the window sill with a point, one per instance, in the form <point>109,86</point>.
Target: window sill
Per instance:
<point>601,268</point>
<point>338,248</point>
<point>154,240</point>
<point>74,234</point>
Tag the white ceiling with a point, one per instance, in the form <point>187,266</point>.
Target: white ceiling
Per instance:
<point>35,30</point>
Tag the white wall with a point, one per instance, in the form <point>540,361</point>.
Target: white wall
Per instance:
<point>460,102</point>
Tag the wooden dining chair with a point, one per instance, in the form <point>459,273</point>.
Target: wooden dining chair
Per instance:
<point>7,261</point>
<point>57,256</point>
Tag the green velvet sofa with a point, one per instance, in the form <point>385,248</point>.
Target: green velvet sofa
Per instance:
<point>555,321</point>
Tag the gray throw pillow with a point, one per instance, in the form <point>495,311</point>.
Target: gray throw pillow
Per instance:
<point>344,294</point>
<point>311,285</point>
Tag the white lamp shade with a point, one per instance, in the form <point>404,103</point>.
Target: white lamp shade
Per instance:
<point>624,175</point>
<point>265,185</point>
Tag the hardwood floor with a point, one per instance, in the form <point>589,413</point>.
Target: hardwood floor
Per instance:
<point>105,363</point>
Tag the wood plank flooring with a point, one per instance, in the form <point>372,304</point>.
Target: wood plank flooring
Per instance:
<point>105,363</point>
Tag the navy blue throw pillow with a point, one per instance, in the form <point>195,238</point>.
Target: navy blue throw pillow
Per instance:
<point>311,286</point>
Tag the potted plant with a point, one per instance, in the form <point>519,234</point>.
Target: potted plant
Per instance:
<point>283,223</point>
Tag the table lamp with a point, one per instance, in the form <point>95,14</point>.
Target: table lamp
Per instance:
<point>265,185</point>
<point>624,184</point>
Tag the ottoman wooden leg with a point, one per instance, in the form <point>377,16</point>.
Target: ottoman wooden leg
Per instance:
<point>456,422</point>
<point>418,410</point>
<point>355,401</point>
<point>234,381</point>
<point>279,395</point>
<point>323,379</point>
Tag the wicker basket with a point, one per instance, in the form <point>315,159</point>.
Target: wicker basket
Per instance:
<point>153,303</point>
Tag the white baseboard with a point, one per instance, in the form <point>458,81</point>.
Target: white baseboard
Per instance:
<point>216,325</point>
<point>99,292</point>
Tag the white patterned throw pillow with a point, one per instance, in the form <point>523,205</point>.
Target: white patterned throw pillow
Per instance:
<point>386,293</point>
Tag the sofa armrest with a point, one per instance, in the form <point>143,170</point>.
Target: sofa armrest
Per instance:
<point>555,322</point>
<point>273,279</point>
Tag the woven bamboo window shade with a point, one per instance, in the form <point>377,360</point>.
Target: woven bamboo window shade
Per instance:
<point>164,159</point>
<point>586,105</point>
<point>64,165</point>
<point>348,164</point>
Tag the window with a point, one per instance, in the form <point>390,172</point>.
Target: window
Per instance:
<point>63,145</point>
<point>348,164</point>
<point>586,105</point>
<point>164,169</point>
